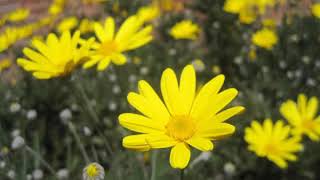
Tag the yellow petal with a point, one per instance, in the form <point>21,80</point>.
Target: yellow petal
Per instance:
<point>119,59</point>
<point>156,141</point>
<point>188,87</point>
<point>136,142</point>
<point>302,103</point>
<point>109,26</point>
<point>180,156</point>
<point>140,123</point>
<point>99,31</point>
<point>161,113</point>
<point>207,93</point>
<point>202,144</point>
<point>312,108</point>
<point>226,114</point>
<point>103,64</point>
<point>170,92</point>
<point>278,161</point>
<point>34,56</point>
<point>290,111</point>
<point>215,130</point>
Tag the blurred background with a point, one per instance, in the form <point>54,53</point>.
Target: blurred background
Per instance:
<point>45,125</point>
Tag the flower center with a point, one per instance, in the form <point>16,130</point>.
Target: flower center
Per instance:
<point>180,127</point>
<point>92,170</point>
<point>109,47</point>
<point>271,149</point>
<point>307,124</point>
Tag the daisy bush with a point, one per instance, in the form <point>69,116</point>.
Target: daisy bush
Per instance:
<point>159,89</point>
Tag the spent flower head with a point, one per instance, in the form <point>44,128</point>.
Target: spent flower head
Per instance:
<point>93,171</point>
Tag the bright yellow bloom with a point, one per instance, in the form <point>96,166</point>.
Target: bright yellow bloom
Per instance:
<point>5,64</point>
<point>184,119</point>
<point>55,57</point>
<point>302,116</point>
<point>265,38</point>
<point>67,24</point>
<point>315,9</point>
<point>86,25</point>
<point>56,7</point>
<point>272,141</point>
<point>185,29</point>
<point>111,45</point>
<point>148,13</point>
<point>93,171</point>
<point>234,6</point>
<point>18,15</point>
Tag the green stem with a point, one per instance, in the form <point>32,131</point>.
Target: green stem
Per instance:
<point>44,162</point>
<point>182,174</point>
<point>93,114</point>
<point>154,165</point>
<point>77,138</point>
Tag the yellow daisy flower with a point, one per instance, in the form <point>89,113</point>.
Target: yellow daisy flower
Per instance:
<point>184,119</point>
<point>272,141</point>
<point>265,38</point>
<point>67,24</point>
<point>315,9</point>
<point>148,13</point>
<point>185,29</point>
<point>5,64</point>
<point>111,45</point>
<point>302,116</point>
<point>55,57</point>
<point>18,15</point>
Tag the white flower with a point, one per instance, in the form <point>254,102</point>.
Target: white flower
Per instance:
<point>2,164</point>
<point>87,131</point>
<point>93,171</point>
<point>144,70</point>
<point>204,156</point>
<point>112,77</point>
<point>29,177</point>
<point>37,174</point>
<point>11,174</point>
<point>112,106</point>
<point>15,107</point>
<point>15,133</point>
<point>229,168</point>
<point>65,115</point>
<point>17,142</point>
<point>116,89</point>
<point>32,114</point>
<point>63,174</point>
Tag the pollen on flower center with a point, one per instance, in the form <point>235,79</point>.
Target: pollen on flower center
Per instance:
<point>92,170</point>
<point>271,148</point>
<point>180,127</point>
<point>109,47</point>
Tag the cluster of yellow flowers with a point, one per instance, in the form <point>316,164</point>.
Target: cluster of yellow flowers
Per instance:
<point>59,56</point>
<point>15,16</point>
<point>279,142</point>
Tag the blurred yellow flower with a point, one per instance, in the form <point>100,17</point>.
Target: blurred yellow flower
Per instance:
<point>55,57</point>
<point>185,29</point>
<point>265,38</point>
<point>67,24</point>
<point>18,15</point>
<point>269,23</point>
<point>56,7</point>
<point>315,9</point>
<point>216,69</point>
<point>182,119</point>
<point>168,5</point>
<point>86,26</point>
<point>148,13</point>
<point>111,45</point>
<point>5,64</point>
<point>198,65</point>
<point>273,142</point>
<point>248,10</point>
<point>302,116</point>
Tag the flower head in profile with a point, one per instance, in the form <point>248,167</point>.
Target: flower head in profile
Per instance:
<point>111,45</point>
<point>265,38</point>
<point>18,15</point>
<point>183,119</point>
<point>303,116</point>
<point>273,141</point>
<point>315,9</point>
<point>93,171</point>
<point>148,13</point>
<point>55,57</point>
<point>185,29</point>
